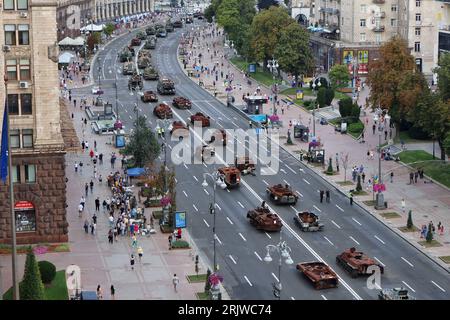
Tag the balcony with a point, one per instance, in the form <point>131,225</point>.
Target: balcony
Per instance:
<point>378,29</point>
<point>379,1</point>
<point>329,10</point>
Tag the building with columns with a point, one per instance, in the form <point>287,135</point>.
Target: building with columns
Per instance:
<point>29,57</point>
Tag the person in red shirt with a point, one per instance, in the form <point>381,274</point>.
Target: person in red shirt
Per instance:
<point>91,154</point>
<point>179,233</point>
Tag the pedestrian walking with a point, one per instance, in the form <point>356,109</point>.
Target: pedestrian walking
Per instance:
<point>97,204</point>
<point>373,128</point>
<point>321,196</point>
<point>351,199</point>
<point>132,261</point>
<point>170,241</point>
<point>363,176</point>
<point>92,228</point>
<point>104,206</point>
<point>76,167</point>
<point>175,281</point>
<point>86,226</point>
<point>100,179</point>
<point>140,253</point>
<point>80,209</point>
<point>416,175</point>
<point>86,188</point>
<point>133,241</point>
<point>327,195</point>
<point>99,290</point>
<point>403,205</point>
<point>411,178</point>
<point>91,184</point>
<point>113,293</point>
<point>110,236</point>
<point>392,176</point>
<point>81,166</point>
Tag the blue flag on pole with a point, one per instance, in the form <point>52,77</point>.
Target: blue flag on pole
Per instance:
<point>4,148</point>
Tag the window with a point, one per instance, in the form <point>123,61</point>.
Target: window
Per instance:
<point>416,46</point>
<point>30,173</point>
<point>15,174</point>
<point>362,22</point>
<point>22,4</point>
<point>362,37</point>
<point>10,34</point>
<point>27,138</point>
<point>8,4</point>
<point>13,104</point>
<point>26,104</point>
<point>418,17</point>
<point>378,37</point>
<point>417,3</point>
<point>24,67</point>
<point>393,22</point>
<point>15,138</point>
<point>363,8</point>
<point>11,69</point>
<point>394,8</point>
<point>417,31</point>
<point>23,34</point>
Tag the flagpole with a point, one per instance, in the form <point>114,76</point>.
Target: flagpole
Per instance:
<point>11,202</point>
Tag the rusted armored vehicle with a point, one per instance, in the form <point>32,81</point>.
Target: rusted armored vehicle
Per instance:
<point>246,165</point>
<point>179,128</point>
<point>282,194</point>
<point>128,68</point>
<point>357,263</point>
<point>169,27</point>
<point>219,137</point>
<point>150,30</point>
<point>205,152</point>
<point>163,111</point>
<point>135,42</point>
<point>144,62</point>
<point>263,219</point>
<point>178,24</point>
<point>165,86</point>
<point>319,274</point>
<point>200,117</point>
<point>150,73</point>
<point>135,82</point>
<point>308,221</point>
<point>125,55</point>
<point>232,176</point>
<point>150,44</point>
<point>144,53</point>
<point>149,96</point>
<point>182,103</point>
<point>141,35</point>
<point>395,294</point>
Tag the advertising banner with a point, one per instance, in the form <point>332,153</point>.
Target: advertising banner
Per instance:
<point>180,219</point>
<point>363,61</point>
<point>347,59</point>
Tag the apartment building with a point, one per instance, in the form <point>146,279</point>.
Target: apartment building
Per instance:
<point>29,57</point>
<point>444,27</point>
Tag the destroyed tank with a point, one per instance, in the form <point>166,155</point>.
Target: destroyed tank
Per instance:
<point>125,55</point>
<point>163,111</point>
<point>150,73</point>
<point>282,194</point>
<point>232,176</point>
<point>150,30</point>
<point>263,219</point>
<point>144,62</point>
<point>308,221</point>
<point>356,262</point>
<point>141,35</point>
<point>178,24</point>
<point>149,96</point>
<point>205,152</point>
<point>395,294</point>
<point>135,42</point>
<point>245,165</point>
<point>179,128</point>
<point>169,27</point>
<point>200,117</point>
<point>144,53</point>
<point>319,274</point>
<point>150,44</point>
<point>219,137</point>
<point>165,86</point>
<point>135,82</point>
<point>128,68</point>
<point>182,103</point>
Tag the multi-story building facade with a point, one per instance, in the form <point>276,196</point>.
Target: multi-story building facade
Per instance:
<point>444,26</point>
<point>29,58</point>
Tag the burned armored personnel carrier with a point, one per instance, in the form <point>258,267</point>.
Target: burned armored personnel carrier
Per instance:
<point>141,35</point>
<point>219,137</point>
<point>179,128</point>
<point>357,263</point>
<point>232,176</point>
<point>125,55</point>
<point>150,30</point>
<point>308,221</point>
<point>144,62</point>
<point>135,42</point>
<point>262,219</point>
<point>165,86</point>
<point>246,165</point>
<point>200,117</point>
<point>149,96</point>
<point>135,82</point>
<point>163,111</point>
<point>395,294</point>
<point>319,274</point>
<point>128,68</point>
<point>282,194</point>
<point>178,24</point>
<point>182,103</point>
<point>150,73</point>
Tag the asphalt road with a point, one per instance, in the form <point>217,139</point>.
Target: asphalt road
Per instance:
<point>240,248</point>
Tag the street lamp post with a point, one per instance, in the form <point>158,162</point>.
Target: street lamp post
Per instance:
<point>380,196</point>
<point>218,180</point>
<point>284,252</point>
<point>273,66</point>
<point>314,86</point>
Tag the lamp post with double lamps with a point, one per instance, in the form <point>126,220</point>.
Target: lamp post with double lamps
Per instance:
<point>380,204</point>
<point>314,86</point>
<point>283,251</point>
<point>218,181</point>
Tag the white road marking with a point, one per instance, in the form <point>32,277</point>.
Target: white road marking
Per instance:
<point>195,207</point>
<point>290,169</point>
<point>379,261</point>
<point>218,207</point>
<point>245,277</point>
<point>265,182</point>
<point>357,221</point>
<point>184,164</point>
<point>354,240</point>
<point>205,165</point>
<point>185,194</point>
<point>329,241</point>
<point>218,240</point>
<point>126,110</point>
<point>256,253</point>
<point>437,286</point>
<point>408,286</point>
<point>282,170</point>
<point>130,117</point>
<point>206,192</point>
<point>242,236</point>
<point>299,194</point>
<point>323,297</point>
<point>292,298</point>
<point>285,182</point>
<point>145,116</point>
<point>268,235</point>
<point>335,224</point>
<point>340,208</point>
<point>317,208</point>
<point>176,181</point>
<point>293,208</point>
<point>232,259</point>
<point>234,124</point>
<point>231,222</point>
<point>276,278</point>
<point>195,178</point>
<point>240,204</point>
<point>379,240</point>
<point>306,181</point>
<point>411,265</point>
<point>206,223</point>
<point>228,190</point>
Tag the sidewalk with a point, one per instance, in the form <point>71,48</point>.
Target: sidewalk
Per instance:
<point>428,201</point>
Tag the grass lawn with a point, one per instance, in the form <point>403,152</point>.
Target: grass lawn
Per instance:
<point>431,244</point>
<point>446,259</point>
<point>196,278</point>
<point>157,214</point>
<point>202,295</point>
<point>293,91</point>
<point>390,215</point>
<point>56,291</point>
<point>437,170</point>
<point>261,76</point>
<point>405,229</point>
<point>404,135</point>
<point>345,183</point>
<point>369,203</point>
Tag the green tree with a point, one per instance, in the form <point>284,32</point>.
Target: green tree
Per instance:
<point>31,287</point>
<point>358,184</point>
<point>321,99</point>
<point>330,166</point>
<point>409,223</point>
<point>443,71</point>
<point>329,96</point>
<point>447,144</point>
<point>266,31</point>
<point>429,236</point>
<point>339,76</point>
<point>345,107</point>
<point>93,39</point>
<point>143,145</point>
<point>293,51</point>
<point>108,29</point>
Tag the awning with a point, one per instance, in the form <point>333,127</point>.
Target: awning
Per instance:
<point>135,172</point>
<point>65,57</point>
<point>71,42</point>
<point>92,28</point>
